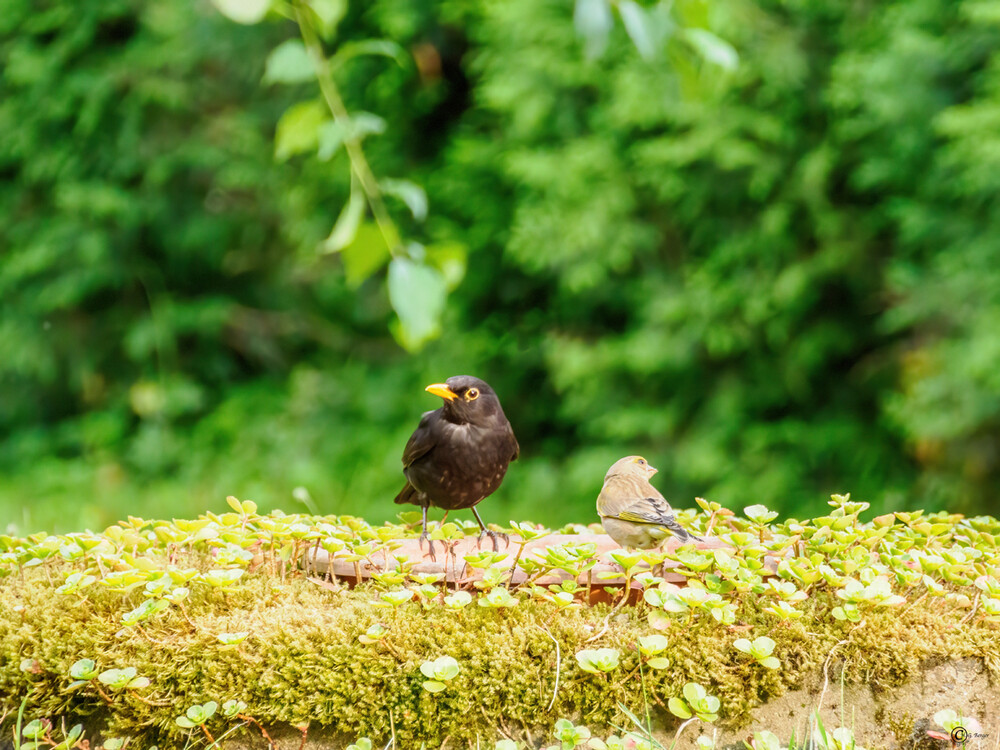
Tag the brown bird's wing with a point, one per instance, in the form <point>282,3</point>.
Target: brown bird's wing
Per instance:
<point>422,439</point>
<point>652,510</point>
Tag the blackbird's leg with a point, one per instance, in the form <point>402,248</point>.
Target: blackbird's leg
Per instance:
<point>425,537</point>
<point>493,535</point>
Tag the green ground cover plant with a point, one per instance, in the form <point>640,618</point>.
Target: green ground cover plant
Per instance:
<point>186,630</point>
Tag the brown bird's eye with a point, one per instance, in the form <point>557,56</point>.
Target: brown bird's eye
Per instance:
<point>641,462</point>
<point>472,394</point>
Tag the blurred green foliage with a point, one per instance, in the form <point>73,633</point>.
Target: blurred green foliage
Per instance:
<point>775,280</point>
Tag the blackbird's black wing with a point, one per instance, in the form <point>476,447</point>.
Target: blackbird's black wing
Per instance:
<point>423,438</point>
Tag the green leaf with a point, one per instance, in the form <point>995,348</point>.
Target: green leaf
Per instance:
<point>410,193</point>
<point>365,255</point>
<point>712,48</point>
<point>417,293</point>
<point>451,259</point>
<point>298,129</point>
<point>650,645</point>
<point>659,663</point>
<point>433,686</point>
<point>679,708</point>
<point>330,139</point>
<point>637,25</point>
<point>84,669</point>
<point>117,678</point>
<point>763,645</point>
<point>243,11</point>
<point>35,729</point>
<point>384,47</point>
<point>184,721</point>
<point>333,133</point>
<point>329,13</point>
<point>289,63</point>
<point>771,662</point>
<point>694,693</point>
<point>364,124</point>
<point>346,228</point>
<point>593,21</point>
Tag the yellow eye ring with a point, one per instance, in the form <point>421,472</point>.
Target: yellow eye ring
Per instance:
<point>472,394</point>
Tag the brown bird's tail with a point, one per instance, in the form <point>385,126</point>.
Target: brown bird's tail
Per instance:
<point>682,534</point>
<point>407,495</point>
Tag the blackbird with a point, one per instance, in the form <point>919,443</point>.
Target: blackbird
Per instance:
<point>633,512</point>
<point>459,453</point>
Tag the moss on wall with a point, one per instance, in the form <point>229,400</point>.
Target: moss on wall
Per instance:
<point>303,662</point>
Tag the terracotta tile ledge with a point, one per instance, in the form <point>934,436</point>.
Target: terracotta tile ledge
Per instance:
<point>457,573</point>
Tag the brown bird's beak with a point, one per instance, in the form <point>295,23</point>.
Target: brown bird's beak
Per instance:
<point>442,390</point>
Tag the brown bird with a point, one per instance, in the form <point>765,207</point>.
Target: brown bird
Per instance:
<point>633,512</point>
<point>459,453</point>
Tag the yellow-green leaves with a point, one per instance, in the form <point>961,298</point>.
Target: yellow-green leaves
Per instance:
<point>439,672</point>
<point>760,514</point>
<point>231,640</point>
<point>696,702</point>
<point>650,646</point>
<point>760,649</point>
<point>197,715</point>
<point>122,679</point>
<point>598,660</point>
<point>498,598</point>
<point>570,735</point>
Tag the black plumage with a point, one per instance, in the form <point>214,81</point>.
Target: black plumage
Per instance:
<point>459,453</point>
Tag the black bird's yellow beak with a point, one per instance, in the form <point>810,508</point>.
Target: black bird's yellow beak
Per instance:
<point>442,390</point>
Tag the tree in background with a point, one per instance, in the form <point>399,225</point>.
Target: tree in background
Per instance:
<point>776,279</point>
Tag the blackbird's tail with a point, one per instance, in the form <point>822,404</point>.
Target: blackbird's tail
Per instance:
<point>407,495</point>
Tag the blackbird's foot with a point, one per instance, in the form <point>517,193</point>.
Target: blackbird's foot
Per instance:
<point>494,537</point>
<point>425,537</point>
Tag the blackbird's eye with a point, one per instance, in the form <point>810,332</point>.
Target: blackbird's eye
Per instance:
<point>472,394</point>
